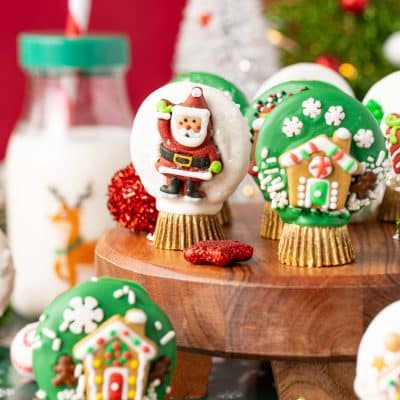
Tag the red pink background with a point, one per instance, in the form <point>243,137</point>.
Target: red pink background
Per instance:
<point>152,26</point>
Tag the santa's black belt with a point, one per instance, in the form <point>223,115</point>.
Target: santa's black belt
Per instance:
<point>183,160</point>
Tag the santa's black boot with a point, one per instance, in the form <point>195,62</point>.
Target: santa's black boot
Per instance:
<point>173,188</point>
<point>192,192</point>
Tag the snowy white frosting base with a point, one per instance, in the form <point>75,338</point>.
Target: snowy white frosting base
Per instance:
<point>306,72</point>
<point>369,383</point>
<point>231,135</point>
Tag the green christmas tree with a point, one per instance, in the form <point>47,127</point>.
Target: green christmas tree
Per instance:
<point>330,32</point>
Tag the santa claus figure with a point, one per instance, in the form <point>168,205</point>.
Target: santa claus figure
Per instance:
<point>188,153</point>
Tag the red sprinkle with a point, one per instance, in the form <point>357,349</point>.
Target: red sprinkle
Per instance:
<point>218,252</point>
<point>125,333</point>
<point>100,341</point>
<point>127,355</point>
<point>116,363</point>
<point>116,346</point>
<point>146,349</point>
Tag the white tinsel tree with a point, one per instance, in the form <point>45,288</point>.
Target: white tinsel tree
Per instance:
<point>228,38</point>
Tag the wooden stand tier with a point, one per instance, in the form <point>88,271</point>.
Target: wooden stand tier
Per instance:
<point>309,322</point>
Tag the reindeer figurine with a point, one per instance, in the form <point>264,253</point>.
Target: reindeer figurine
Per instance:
<point>75,251</point>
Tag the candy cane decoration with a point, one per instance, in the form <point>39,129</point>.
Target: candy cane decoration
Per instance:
<point>78,17</point>
<point>77,24</point>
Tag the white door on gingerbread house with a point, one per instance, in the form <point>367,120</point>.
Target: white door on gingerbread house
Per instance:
<point>115,384</point>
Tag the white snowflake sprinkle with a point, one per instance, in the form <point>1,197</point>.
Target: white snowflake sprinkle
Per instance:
<point>335,115</point>
<point>83,315</point>
<point>279,199</point>
<point>311,108</point>
<point>292,126</point>
<point>364,138</point>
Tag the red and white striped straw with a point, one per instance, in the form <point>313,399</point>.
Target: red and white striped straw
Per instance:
<point>78,17</point>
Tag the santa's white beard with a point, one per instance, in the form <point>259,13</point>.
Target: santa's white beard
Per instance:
<point>188,137</point>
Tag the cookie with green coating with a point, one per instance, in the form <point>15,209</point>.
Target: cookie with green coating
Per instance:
<point>104,339</point>
<point>320,158</point>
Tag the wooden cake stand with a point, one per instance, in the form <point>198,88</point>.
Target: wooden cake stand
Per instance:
<point>309,322</point>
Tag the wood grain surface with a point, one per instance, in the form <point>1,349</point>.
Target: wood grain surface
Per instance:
<point>314,380</point>
<point>261,308</point>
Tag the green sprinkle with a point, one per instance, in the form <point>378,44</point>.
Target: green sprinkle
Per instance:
<point>113,332</point>
<point>332,151</point>
<point>90,349</point>
<point>392,383</point>
<point>347,167</point>
<point>136,342</point>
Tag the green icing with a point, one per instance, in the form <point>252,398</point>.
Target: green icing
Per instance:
<point>286,90</point>
<point>217,82</point>
<point>376,109</point>
<point>44,358</point>
<point>272,138</point>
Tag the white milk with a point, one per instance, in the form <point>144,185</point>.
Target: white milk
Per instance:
<point>34,163</point>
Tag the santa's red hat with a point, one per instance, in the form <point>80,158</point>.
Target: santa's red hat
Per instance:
<point>194,106</point>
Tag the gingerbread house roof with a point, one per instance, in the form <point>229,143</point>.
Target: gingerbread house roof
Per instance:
<point>321,143</point>
<point>115,327</point>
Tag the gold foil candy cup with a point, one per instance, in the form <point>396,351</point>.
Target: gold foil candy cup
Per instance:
<point>179,231</point>
<point>315,246</point>
<point>389,210</point>
<point>225,215</point>
<point>271,223</point>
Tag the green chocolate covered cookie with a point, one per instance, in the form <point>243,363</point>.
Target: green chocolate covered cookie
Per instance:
<point>104,339</point>
<point>319,156</point>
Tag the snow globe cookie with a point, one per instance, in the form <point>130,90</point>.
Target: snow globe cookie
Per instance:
<point>237,96</point>
<point>104,339</point>
<point>378,359</point>
<point>319,157</point>
<point>306,72</point>
<point>257,113</point>
<point>190,147</point>
<point>383,99</point>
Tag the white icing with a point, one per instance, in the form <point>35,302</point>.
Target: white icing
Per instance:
<point>311,108</point>
<point>343,133</point>
<point>231,136</point>
<point>158,325</point>
<point>364,138</point>
<point>306,72</point>
<point>83,315</point>
<point>136,316</point>
<point>335,115</point>
<point>279,199</point>
<point>167,338</point>
<point>125,291</point>
<point>292,126</point>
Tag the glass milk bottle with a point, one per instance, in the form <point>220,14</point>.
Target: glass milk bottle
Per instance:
<point>71,138</point>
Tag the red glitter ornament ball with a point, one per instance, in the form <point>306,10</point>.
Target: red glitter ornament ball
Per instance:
<point>354,6</point>
<point>129,203</point>
<point>328,61</point>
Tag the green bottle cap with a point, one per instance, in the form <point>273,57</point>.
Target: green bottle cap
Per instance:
<point>52,51</point>
<point>217,82</point>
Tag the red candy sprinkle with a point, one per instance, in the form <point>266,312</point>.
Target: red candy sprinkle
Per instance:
<point>116,346</point>
<point>100,341</point>
<point>146,349</point>
<point>127,355</point>
<point>125,333</point>
<point>116,363</point>
<point>218,252</point>
<point>108,356</point>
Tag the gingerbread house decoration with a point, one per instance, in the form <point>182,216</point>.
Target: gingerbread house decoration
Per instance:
<point>319,171</point>
<point>116,358</point>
